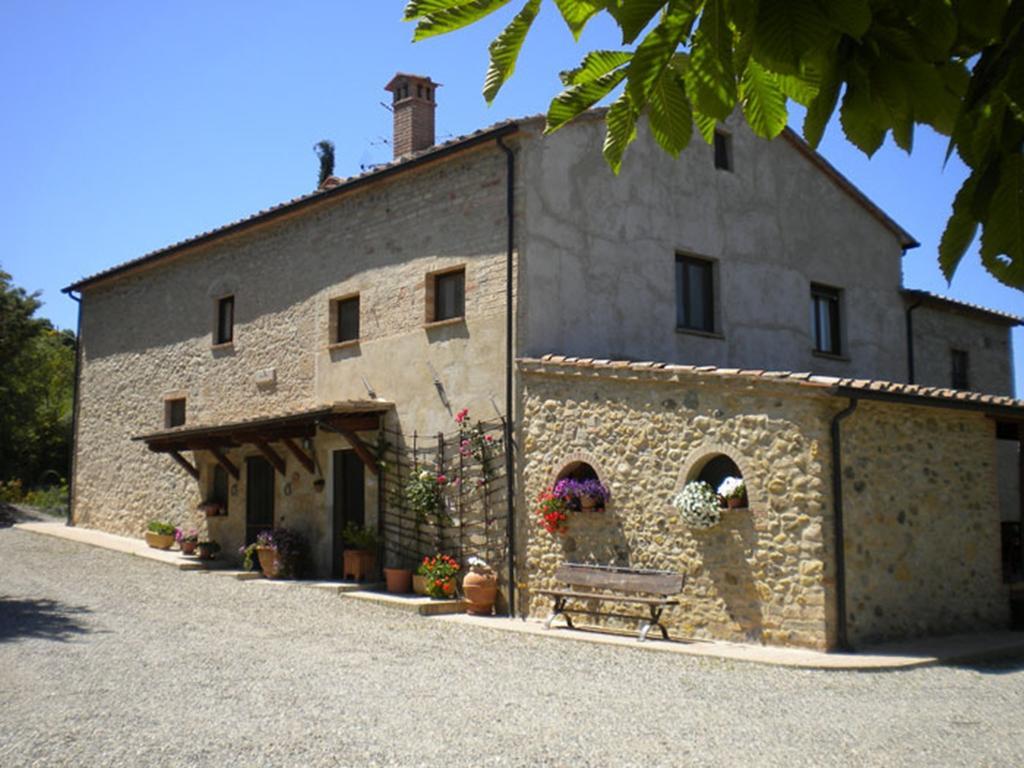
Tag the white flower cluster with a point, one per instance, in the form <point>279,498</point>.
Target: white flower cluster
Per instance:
<point>698,505</point>
<point>732,488</point>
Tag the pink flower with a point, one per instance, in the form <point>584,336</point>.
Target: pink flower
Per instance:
<point>489,438</point>
<point>462,415</point>
<point>441,479</point>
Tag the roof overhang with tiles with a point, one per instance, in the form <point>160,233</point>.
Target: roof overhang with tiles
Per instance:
<point>865,389</point>
<point>290,430</point>
<point>927,298</point>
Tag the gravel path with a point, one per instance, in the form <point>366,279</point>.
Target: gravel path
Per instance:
<point>107,659</point>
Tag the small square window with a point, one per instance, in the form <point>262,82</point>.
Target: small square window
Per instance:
<point>695,295</point>
<point>225,331</point>
<point>826,319</point>
<point>174,412</point>
<point>449,295</point>
<point>346,320</point>
<point>723,151</point>
<point>960,363</point>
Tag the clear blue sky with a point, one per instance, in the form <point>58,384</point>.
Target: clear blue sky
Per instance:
<point>128,126</point>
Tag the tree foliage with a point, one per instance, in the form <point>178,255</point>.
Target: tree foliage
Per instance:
<point>36,381</point>
<point>886,65</point>
<point>325,152</point>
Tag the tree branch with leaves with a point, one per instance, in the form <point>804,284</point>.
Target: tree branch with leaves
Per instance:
<point>886,65</point>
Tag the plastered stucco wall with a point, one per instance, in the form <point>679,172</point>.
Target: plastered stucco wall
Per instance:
<point>764,573</point>
<point>599,255</point>
<point>148,335</point>
<point>922,523</point>
<point>938,331</point>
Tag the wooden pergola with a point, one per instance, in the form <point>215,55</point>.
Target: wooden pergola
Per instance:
<point>346,419</point>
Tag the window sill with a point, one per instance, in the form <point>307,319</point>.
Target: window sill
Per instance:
<point>343,344</point>
<point>697,332</point>
<point>443,323</point>
<point>830,356</point>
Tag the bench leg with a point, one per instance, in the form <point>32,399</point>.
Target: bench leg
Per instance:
<point>654,621</point>
<point>558,609</point>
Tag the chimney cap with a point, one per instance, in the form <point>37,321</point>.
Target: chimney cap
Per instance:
<point>400,77</point>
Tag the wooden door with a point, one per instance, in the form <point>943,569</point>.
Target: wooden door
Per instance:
<point>349,501</point>
<point>259,497</point>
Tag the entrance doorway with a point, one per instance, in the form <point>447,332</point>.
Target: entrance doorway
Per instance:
<point>349,485</point>
<point>259,497</point>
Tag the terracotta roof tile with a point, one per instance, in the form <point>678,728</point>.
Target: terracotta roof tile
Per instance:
<point>845,387</point>
<point>966,306</point>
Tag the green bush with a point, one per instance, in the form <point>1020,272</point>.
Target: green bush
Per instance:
<point>160,528</point>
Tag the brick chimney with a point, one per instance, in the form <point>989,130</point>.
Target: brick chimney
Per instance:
<point>412,102</point>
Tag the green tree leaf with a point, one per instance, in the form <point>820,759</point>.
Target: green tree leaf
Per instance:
<point>764,104</point>
<point>633,16</point>
<point>579,98</point>
<point>578,12</point>
<point>595,64</point>
<point>788,30</point>
<point>621,131</point>
<point>416,8</point>
<point>705,126</point>
<point>669,113</point>
<point>656,50</point>
<point>455,17</point>
<point>960,229</point>
<point>710,78</point>
<point>851,17</point>
<point>821,107</point>
<point>1002,239</point>
<point>505,49</point>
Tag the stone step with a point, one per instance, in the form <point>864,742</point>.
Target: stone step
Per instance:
<point>424,606</point>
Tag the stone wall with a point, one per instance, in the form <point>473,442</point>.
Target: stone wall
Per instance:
<point>147,335</point>
<point>762,574</point>
<point>922,523</point>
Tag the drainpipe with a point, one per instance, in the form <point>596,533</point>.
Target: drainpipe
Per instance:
<point>510,211</point>
<point>840,538</point>
<point>74,409</point>
<point>910,342</point>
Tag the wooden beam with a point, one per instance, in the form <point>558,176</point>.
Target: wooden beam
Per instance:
<point>185,464</point>
<point>353,422</point>
<point>300,454</point>
<point>224,461</point>
<point>361,450</point>
<point>272,457</point>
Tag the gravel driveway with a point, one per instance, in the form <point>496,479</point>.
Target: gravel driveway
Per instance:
<point>107,659</point>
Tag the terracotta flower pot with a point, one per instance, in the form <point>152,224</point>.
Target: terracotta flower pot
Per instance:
<point>735,502</point>
<point>270,562</point>
<point>419,584</point>
<point>480,589</point>
<point>159,540</point>
<point>187,547</point>
<point>205,551</point>
<point>399,580</point>
<point>588,503</point>
<point>358,564</point>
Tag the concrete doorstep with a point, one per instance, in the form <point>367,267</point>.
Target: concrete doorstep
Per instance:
<point>908,654</point>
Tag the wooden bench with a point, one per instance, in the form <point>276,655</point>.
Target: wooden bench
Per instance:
<point>613,584</point>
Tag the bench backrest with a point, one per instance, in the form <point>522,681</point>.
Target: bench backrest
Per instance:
<point>620,579</point>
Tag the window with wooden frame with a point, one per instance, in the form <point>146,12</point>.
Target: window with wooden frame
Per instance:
<point>826,319</point>
<point>224,328</point>
<point>723,150</point>
<point>960,363</point>
<point>695,294</point>
<point>446,295</point>
<point>174,412</point>
<point>345,319</point>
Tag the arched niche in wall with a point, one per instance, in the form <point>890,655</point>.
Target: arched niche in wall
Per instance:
<point>712,463</point>
<point>581,467</point>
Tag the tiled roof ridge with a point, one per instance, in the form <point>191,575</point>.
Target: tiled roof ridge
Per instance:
<point>835,384</point>
<point>939,298</point>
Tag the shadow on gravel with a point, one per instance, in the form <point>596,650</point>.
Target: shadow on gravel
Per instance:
<point>1002,665</point>
<point>39,619</point>
<point>10,514</point>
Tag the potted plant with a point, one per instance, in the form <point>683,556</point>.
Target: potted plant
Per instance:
<point>281,552</point>
<point>187,540</point>
<point>698,505</point>
<point>552,511</point>
<point>734,491</point>
<point>440,572</point>
<point>589,495</point>
<point>480,587</point>
<point>210,507</point>
<point>207,550</point>
<point>159,535</point>
<point>359,558</point>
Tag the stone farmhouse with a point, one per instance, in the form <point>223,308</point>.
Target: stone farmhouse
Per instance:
<point>736,311</point>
